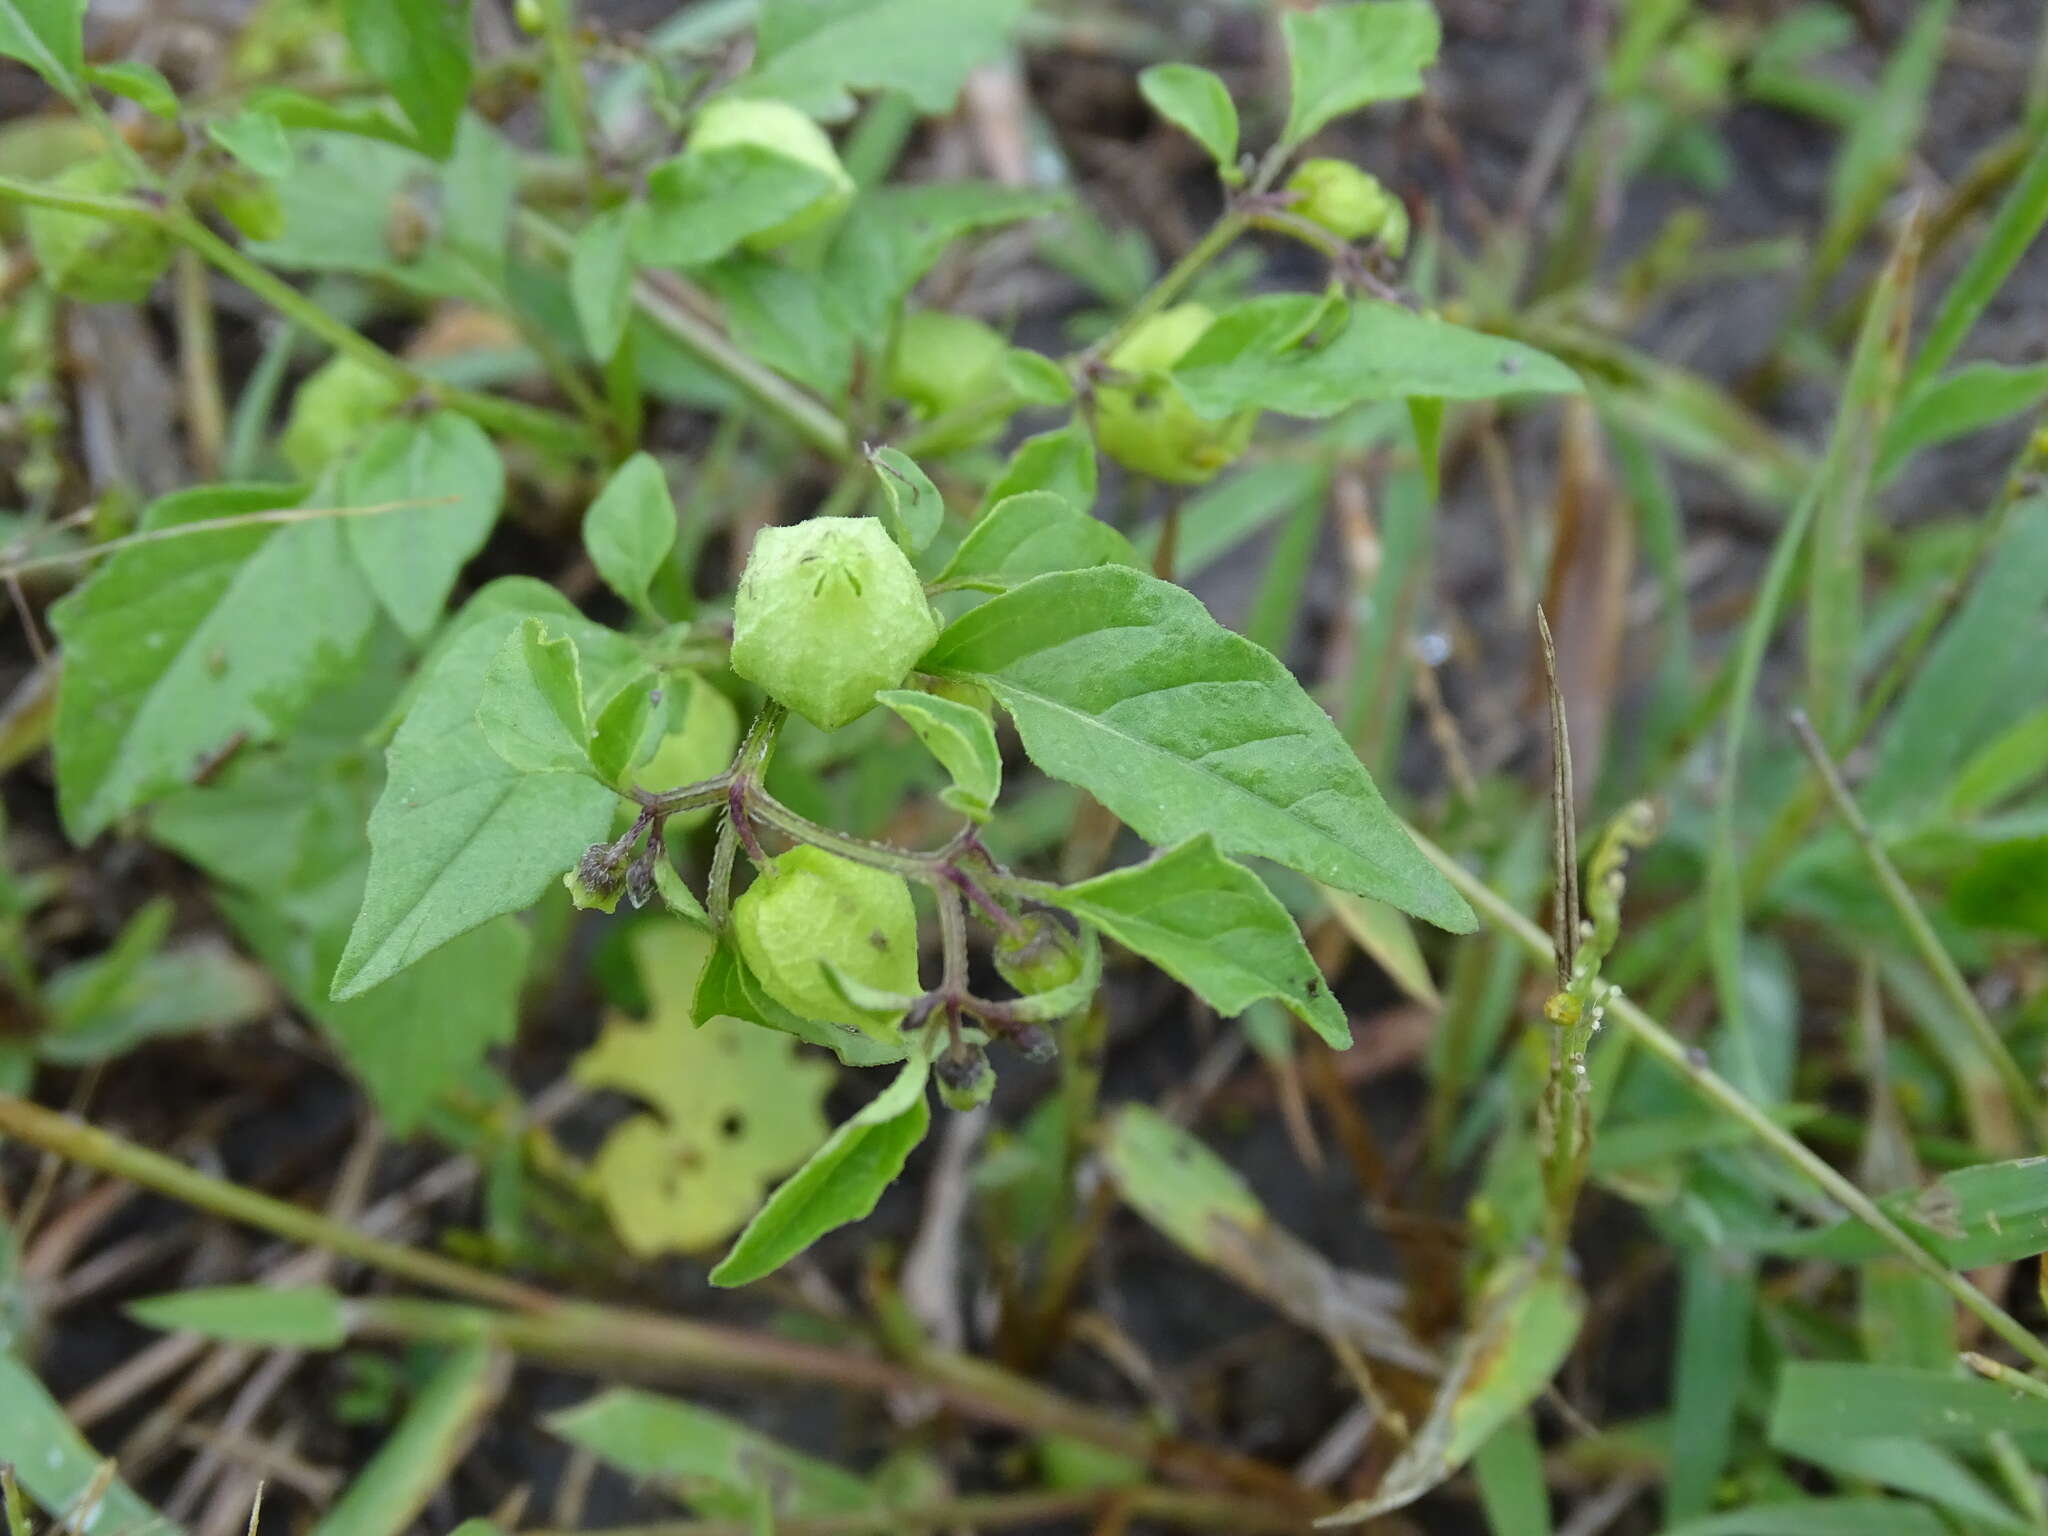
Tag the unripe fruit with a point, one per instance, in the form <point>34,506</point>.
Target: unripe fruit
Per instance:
<point>94,259</point>
<point>1039,956</point>
<point>811,908</point>
<point>1147,425</point>
<point>966,1080</point>
<point>733,122</point>
<point>829,611</point>
<point>943,363</point>
<point>1349,202</point>
<point>333,410</point>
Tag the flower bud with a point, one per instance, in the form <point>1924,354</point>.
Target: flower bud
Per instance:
<point>810,909</point>
<point>965,1078</point>
<point>1039,956</point>
<point>733,122</point>
<point>828,612</point>
<point>1350,203</point>
<point>86,257</point>
<point>1146,424</point>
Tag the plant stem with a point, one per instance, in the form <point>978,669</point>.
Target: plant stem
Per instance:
<point>809,418</point>
<point>623,1340</point>
<point>1933,953</point>
<point>1169,287</point>
<point>533,423</point>
<point>1724,1096</point>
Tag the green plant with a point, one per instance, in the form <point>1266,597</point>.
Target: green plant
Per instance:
<point>879,679</point>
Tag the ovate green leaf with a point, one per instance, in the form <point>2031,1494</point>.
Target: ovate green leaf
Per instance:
<point>1032,533</point>
<point>1124,685</point>
<point>1343,57</point>
<point>531,711</point>
<point>176,649</point>
<point>1384,352</point>
<point>630,529</point>
<point>811,53</point>
<point>1213,926</point>
<point>1197,103</point>
<point>411,558</point>
<point>141,83</point>
<point>914,511</point>
<point>419,51</point>
<point>961,738</point>
<point>841,1182</point>
<point>459,836</point>
<point>601,277</point>
<point>46,36</point>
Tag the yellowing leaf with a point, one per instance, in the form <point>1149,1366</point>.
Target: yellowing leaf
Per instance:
<point>736,1106</point>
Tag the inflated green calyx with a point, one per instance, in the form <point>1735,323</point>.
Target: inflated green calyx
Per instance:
<point>1144,422</point>
<point>1349,202</point>
<point>828,612</point>
<point>737,123</point>
<point>810,909</point>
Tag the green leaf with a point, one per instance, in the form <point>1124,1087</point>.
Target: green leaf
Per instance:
<point>1962,693</point>
<point>1915,1467</point>
<point>294,1317</point>
<point>201,985</point>
<point>1343,57</point>
<point>786,318</point>
<point>1214,927</point>
<point>141,83</point>
<point>46,35</point>
<point>1384,352</point>
<point>2013,230</point>
<point>531,712</point>
<point>257,140</point>
<point>1820,1401</point>
<point>179,648</point>
<point>915,511</point>
<point>56,1466</point>
<point>411,558</point>
<point>633,725</point>
<point>1817,1517</point>
<point>469,987</point>
<point>893,235</point>
<point>841,1182</point>
<point>459,836</point>
<point>601,277</point>
<point>1032,533</point>
<point>701,205</point>
<point>811,53</point>
<point>1994,1213</point>
<point>1975,396</point>
<point>1195,101</point>
<point>420,53</point>
<point>1836,574</point>
<point>716,1463</point>
<point>961,738</point>
<point>1061,461</point>
<point>1527,1317</point>
<point>412,1465</point>
<point>631,528</point>
<point>1124,685</point>
<point>1512,1487</point>
<point>1882,137</point>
